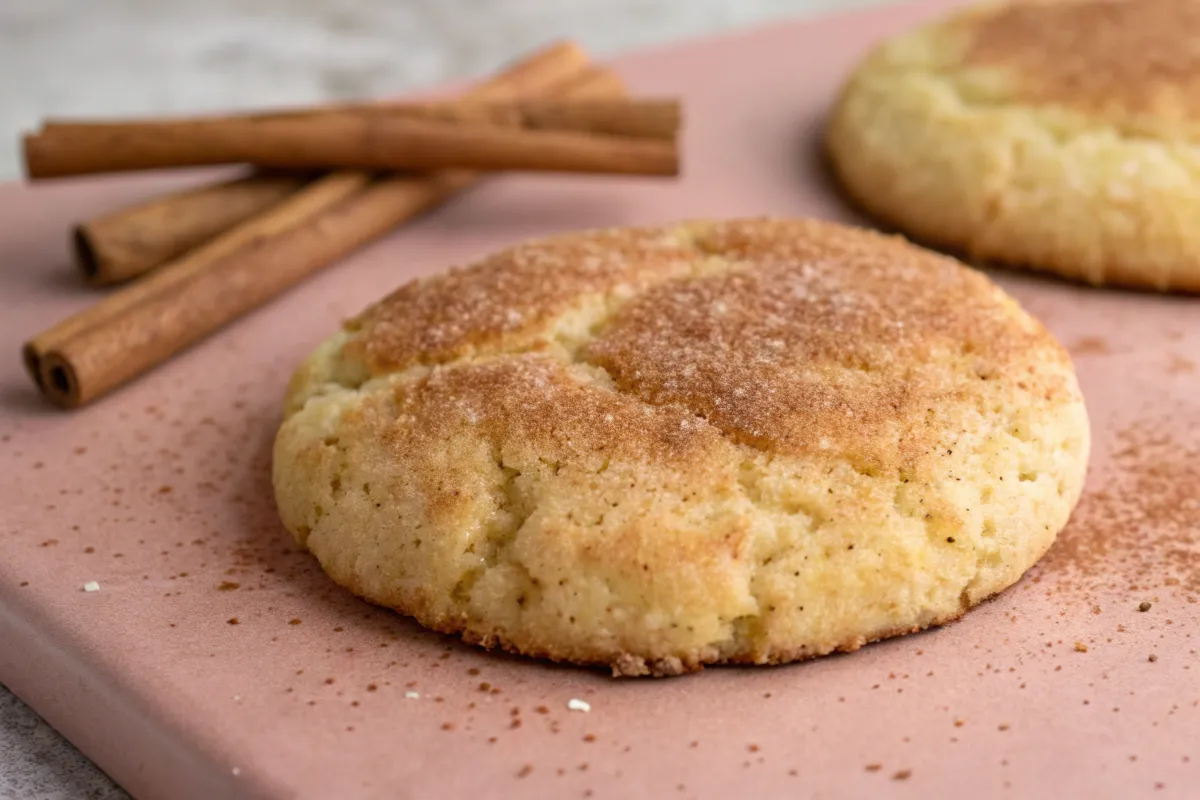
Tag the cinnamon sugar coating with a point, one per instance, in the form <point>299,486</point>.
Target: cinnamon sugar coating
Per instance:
<point>1116,57</point>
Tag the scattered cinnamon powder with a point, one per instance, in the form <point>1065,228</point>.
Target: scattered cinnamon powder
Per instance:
<point>874,767</point>
<point>525,770</point>
<point>1180,365</point>
<point>902,775</point>
<point>228,586</point>
<point>1090,346</point>
<point>232,621</point>
<point>1143,526</point>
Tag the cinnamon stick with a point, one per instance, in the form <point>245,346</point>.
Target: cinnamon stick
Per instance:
<point>340,140</point>
<point>128,243</point>
<point>642,118</point>
<point>95,352</point>
<point>302,206</point>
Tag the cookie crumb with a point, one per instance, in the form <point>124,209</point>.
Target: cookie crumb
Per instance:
<point>1144,606</point>
<point>1080,647</point>
<point>575,704</point>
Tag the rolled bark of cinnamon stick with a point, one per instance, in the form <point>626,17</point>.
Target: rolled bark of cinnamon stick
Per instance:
<point>641,118</point>
<point>126,244</point>
<point>342,141</point>
<point>89,355</point>
<point>302,206</point>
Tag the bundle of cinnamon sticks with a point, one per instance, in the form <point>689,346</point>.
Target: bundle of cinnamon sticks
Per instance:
<point>326,181</point>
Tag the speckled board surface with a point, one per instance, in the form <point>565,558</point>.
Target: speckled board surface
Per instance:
<point>216,660</point>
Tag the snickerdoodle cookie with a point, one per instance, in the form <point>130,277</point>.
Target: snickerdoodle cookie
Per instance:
<point>1057,135</point>
<point>749,441</point>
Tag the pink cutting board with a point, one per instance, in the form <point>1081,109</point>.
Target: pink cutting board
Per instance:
<point>161,493</point>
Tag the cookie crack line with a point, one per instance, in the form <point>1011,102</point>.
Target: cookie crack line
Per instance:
<point>569,334</point>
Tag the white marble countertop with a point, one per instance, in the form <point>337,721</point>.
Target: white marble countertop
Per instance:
<point>113,57</point>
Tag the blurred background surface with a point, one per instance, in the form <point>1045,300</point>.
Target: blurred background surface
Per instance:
<point>125,57</point>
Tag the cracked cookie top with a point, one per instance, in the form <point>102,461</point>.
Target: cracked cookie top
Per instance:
<point>791,336</point>
<point>658,448</point>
